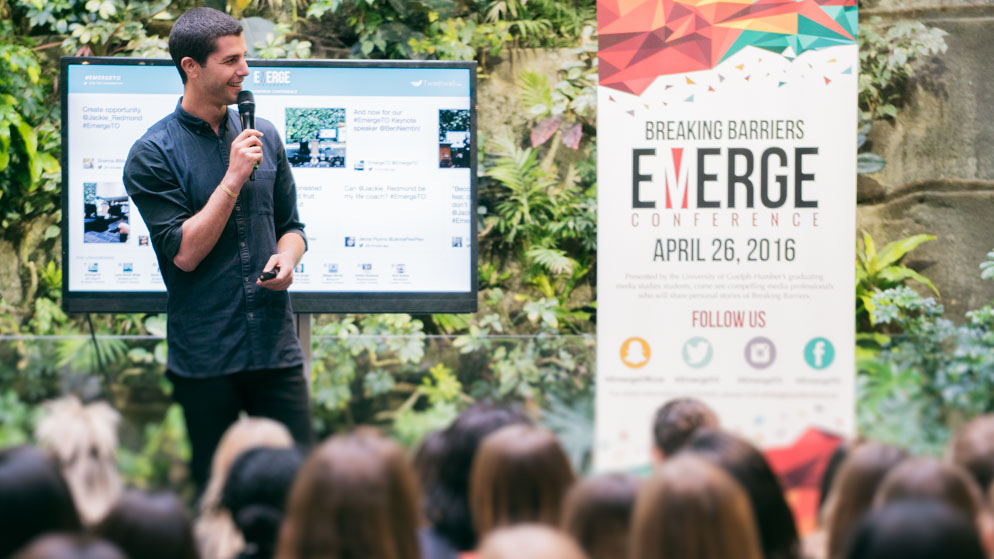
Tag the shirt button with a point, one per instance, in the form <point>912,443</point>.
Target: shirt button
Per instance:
<point>246,279</point>
<point>238,208</point>
<point>250,315</point>
<point>242,243</point>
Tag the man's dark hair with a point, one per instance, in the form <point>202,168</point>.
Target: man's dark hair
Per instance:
<point>677,420</point>
<point>196,32</point>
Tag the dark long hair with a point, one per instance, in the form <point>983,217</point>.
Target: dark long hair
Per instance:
<point>446,483</point>
<point>916,529</point>
<point>34,498</point>
<point>858,480</point>
<point>150,526</point>
<point>777,531</point>
<point>255,494</point>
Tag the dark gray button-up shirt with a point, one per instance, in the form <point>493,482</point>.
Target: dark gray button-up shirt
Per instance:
<point>219,321</point>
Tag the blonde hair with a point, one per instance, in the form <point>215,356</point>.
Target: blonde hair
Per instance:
<point>84,440</point>
<point>217,536</point>
<point>529,541</point>
<point>691,509</point>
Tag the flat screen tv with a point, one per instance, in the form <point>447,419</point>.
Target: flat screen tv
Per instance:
<point>383,154</point>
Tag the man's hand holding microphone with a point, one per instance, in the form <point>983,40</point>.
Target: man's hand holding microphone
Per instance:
<point>246,154</point>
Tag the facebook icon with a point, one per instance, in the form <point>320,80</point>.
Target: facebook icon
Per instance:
<point>819,353</point>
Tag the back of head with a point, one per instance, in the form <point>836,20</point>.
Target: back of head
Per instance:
<point>931,479</point>
<point>196,32</point>
<point>255,494</point>
<point>677,420</point>
<point>691,509</point>
<point>520,475</point>
<point>597,513</point>
<point>973,449</point>
<point>859,477</point>
<point>245,434</point>
<point>447,497</point>
<point>84,440</point>
<point>529,541</point>
<point>150,526</point>
<point>70,546</point>
<point>777,531</point>
<point>916,529</point>
<point>34,498</point>
<point>354,497</point>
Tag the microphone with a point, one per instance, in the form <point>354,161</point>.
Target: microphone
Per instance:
<point>246,110</point>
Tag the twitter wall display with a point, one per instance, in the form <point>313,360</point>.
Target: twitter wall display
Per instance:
<point>726,219</point>
<point>382,154</point>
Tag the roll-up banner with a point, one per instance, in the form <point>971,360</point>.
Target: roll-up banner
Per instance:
<point>726,222</point>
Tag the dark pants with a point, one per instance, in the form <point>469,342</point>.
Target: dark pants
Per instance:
<point>211,405</point>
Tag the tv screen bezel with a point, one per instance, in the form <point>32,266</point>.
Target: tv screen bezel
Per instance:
<point>302,302</point>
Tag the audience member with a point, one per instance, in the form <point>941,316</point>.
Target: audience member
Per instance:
<point>447,493</point>
<point>355,497</point>
<point>691,509</point>
<point>520,475</point>
<point>83,438</point>
<point>34,499</point>
<point>70,546</point>
<point>777,531</point>
<point>598,512</point>
<point>217,536</point>
<point>255,495</point>
<point>932,479</point>
<point>814,545</point>
<point>426,463</point>
<point>916,529</point>
<point>676,421</point>
<point>857,482</point>
<point>973,449</point>
<point>529,541</point>
<point>149,526</point>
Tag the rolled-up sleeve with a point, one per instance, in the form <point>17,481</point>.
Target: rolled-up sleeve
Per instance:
<point>285,200</point>
<point>162,202</point>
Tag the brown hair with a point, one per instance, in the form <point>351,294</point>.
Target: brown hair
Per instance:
<point>355,497</point>
<point>150,526</point>
<point>677,420</point>
<point>973,449</point>
<point>859,477</point>
<point>931,479</point>
<point>691,509</point>
<point>529,541</point>
<point>520,475</point>
<point>598,512</point>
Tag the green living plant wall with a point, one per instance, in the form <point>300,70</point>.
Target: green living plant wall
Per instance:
<point>408,374</point>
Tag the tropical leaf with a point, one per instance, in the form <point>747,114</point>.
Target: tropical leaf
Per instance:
<point>896,250</point>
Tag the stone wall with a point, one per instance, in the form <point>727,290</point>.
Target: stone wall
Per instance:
<point>939,177</point>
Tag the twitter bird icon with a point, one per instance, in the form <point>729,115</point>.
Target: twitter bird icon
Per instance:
<point>697,352</point>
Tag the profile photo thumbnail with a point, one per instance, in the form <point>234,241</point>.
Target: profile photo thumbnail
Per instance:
<point>106,212</point>
<point>315,137</point>
<point>454,138</point>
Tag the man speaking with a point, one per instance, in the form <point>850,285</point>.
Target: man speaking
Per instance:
<point>221,207</point>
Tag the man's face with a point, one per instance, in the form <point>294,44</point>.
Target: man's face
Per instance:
<point>220,78</point>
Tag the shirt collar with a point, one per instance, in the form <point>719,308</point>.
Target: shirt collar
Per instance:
<point>198,124</point>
